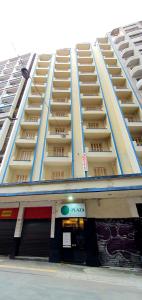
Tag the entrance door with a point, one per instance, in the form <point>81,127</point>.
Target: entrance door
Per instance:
<point>73,240</point>
<point>35,239</point>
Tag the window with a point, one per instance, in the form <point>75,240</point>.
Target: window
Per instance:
<point>133,36</point>
<point>93,125</point>
<point>57,175</point>
<point>99,171</point>
<point>29,134</point>
<point>25,155</point>
<point>138,140</point>
<point>58,151</point>
<point>139,43</point>
<point>21,178</point>
<point>95,147</point>
<point>59,130</point>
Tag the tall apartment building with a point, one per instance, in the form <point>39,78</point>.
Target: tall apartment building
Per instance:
<point>11,89</point>
<point>127,43</point>
<point>71,174</point>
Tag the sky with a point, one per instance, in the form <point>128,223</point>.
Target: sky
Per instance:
<point>43,26</point>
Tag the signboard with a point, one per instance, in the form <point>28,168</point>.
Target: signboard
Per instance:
<point>85,163</point>
<point>66,239</point>
<point>71,210</point>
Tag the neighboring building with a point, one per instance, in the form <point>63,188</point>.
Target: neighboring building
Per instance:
<point>11,89</point>
<point>71,186</point>
<point>127,43</point>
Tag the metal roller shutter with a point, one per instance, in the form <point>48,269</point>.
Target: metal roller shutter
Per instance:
<point>7,228</point>
<point>35,239</point>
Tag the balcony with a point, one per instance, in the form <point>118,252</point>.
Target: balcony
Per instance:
<point>137,72</point>
<point>33,108</point>
<point>95,112</point>
<point>137,141</point>
<point>123,45</point>
<point>7,99</point>
<point>38,88</point>
<point>62,66</point>
<point>84,53</point>
<point>20,164</point>
<point>61,94</point>
<point>124,94</point>
<point>63,52</point>
<point>83,46</point>
<point>89,89</point>
<point>107,53</point>
<point>128,52</point>
<point>132,62</point>
<point>26,141</point>
<point>43,64</point>
<point>100,155</point>
<point>30,123</point>
<point>105,47</point>
<point>41,71</point>
<point>111,62</point>
<point>86,69</point>
<point>62,59</point>
<point>119,39</point>
<point>115,72</point>
<point>139,84</point>
<point>61,84</point>
<point>128,106</point>
<point>85,61</point>
<point>92,102</point>
<point>134,125</point>
<point>61,75</point>
<point>60,117</point>
<point>45,57</point>
<point>60,103</point>
<point>88,78</point>
<point>40,80</point>
<point>59,137</point>
<point>103,40</point>
<point>58,160</point>
<point>96,132</point>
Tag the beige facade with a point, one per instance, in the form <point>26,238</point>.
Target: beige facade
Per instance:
<point>79,118</point>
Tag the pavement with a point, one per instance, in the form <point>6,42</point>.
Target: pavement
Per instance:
<point>41,280</point>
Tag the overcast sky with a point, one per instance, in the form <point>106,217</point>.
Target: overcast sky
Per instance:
<point>43,25</point>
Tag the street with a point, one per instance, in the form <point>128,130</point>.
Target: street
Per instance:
<point>30,280</point>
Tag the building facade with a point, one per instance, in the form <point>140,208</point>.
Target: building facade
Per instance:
<point>11,89</point>
<point>71,174</point>
<point>127,42</point>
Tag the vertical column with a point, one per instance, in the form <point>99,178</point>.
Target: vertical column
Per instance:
<point>124,146</point>
<point>77,123</point>
<point>42,133</point>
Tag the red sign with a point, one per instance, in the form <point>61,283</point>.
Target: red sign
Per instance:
<point>38,212</point>
<point>85,162</point>
<point>8,213</point>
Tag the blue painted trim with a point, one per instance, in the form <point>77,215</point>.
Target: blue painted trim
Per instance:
<point>22,108</point>
<point>104,100</point>
<point>38,136</point>
<point>80,106</point>
<point>121,113</point>
<point>76,179</point>
<point>75,191</point>
<point>72,130</point>
<point>46,128</point>
<point>127,76</point>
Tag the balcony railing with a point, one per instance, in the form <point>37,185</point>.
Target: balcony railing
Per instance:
<point>99,150</point>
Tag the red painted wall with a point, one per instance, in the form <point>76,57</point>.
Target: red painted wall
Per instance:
<point>8,213</point>
<point>38,213</point>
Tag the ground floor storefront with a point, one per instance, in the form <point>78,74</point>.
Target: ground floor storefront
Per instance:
<point>72,227</point>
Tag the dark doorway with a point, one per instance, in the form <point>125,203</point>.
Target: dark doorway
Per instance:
<point>73,240</point>
<point>35,239</point>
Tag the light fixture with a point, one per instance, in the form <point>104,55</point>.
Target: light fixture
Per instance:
<point>70,198</point>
